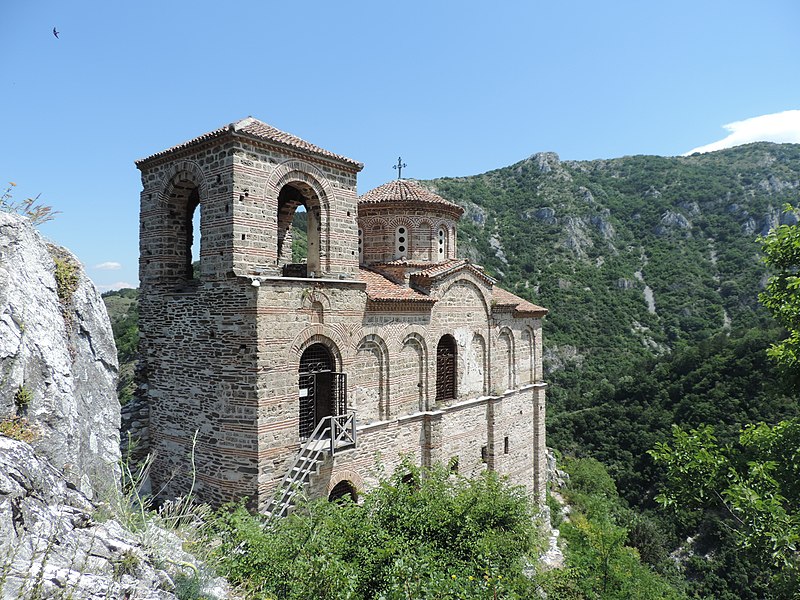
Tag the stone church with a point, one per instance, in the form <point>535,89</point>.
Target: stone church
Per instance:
<point>272,376</point>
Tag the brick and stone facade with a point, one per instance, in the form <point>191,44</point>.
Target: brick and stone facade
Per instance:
<point>381,307</point>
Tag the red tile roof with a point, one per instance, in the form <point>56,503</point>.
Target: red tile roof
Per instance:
<point>254,128</point>
<point>504,299</point>
<point>452,265</point>
<point>381,289</point>
<point>406,191</point>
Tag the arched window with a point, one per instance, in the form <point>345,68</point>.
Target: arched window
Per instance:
<point>401,242</point>
<point>360,246</point>
<point>441,241</point>
<point>193,214</point>
<point>446,355</point>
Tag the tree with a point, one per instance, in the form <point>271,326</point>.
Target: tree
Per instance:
<point>781,296</point>
<point>756,482</point>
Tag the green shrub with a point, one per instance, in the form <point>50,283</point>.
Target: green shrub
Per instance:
<point>66,274</point>
<point>18,428</point>
<point>23,397</point>
<point>432,535</point>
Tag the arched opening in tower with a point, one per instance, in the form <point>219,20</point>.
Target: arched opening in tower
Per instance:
<point>183,229</point>
<point>294,199</point>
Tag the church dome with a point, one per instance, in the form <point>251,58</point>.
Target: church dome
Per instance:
<point>409,193</point>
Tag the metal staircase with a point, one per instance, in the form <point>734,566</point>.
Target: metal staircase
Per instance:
<point>332,434</point>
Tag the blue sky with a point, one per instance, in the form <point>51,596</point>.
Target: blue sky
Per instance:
<point>456,88</point>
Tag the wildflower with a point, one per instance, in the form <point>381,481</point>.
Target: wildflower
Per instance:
<point>452,576</point>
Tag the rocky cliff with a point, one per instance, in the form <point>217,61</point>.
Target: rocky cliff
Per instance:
<point>56,543</point>
<point>58,363</point>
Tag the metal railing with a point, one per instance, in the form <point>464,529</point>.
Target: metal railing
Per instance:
<point>339,431</point>
<point>343,431</point>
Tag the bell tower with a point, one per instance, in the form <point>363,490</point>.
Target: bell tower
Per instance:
<point>215,235</point>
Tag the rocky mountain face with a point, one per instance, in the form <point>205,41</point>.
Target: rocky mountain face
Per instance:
<point>58,362</point>
<point>640,254</point>
<point>53,545</point>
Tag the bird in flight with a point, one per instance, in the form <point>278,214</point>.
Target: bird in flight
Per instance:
<point>55,33</point>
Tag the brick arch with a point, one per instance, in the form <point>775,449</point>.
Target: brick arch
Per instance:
<point>317,334</point>
<point>301,171</point>
<point>396,221</point>
<point>340,475</point>
<point>194,174</point>
<point>529,338</point>
<point>419,371</point>
<point>449,239</point>
<point>470,283</point>
<point>376,343</point>
<point>507,363</point>
<point>182,191</point>
<point>374,247</point>
<point>423,246</point>
<point>315,295</point>
<point>312,185</point>
<point>394,224</point>
<point>477,374</point>
<point>365,222</point>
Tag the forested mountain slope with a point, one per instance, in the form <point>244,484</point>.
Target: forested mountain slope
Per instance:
<point>633,256</point>
<point>651,269</point>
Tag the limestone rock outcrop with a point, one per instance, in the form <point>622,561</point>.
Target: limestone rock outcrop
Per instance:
<point>53,543</point>
<point>58,362</point>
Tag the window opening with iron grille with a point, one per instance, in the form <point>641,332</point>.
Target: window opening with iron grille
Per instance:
<point>323,392</point>
<point>446,368</point>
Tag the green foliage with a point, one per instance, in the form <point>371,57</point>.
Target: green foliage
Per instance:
<point>754,481</point>
<point>126,564</point>
<point>66,274</point>
<point>29,208</point>
<point>431,536</point>
<point>726,380</point>
<point>23,397</point>
<point>598,552</point>
<point>123,310</point>
<point>18,428</point>
<point>781,297</point>
<point>299,237</point>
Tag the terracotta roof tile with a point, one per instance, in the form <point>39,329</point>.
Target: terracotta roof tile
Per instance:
<point>502,299</point>
<point>406,190</point>
<point>452,265</point>
<point>403,262</point>
<point>259,130</point>
<point>381,289</point>
<point>441,268</point>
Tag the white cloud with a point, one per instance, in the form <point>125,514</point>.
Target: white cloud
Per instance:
<point>108,266</point>
<point>115,286</point>
<point>782,127</point>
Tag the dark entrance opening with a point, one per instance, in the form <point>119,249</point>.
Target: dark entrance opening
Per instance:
<point>446,368</point>
<point>342,492</point>
<point>322,391</point>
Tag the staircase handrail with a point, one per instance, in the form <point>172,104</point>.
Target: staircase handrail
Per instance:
<point>343,430</point>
